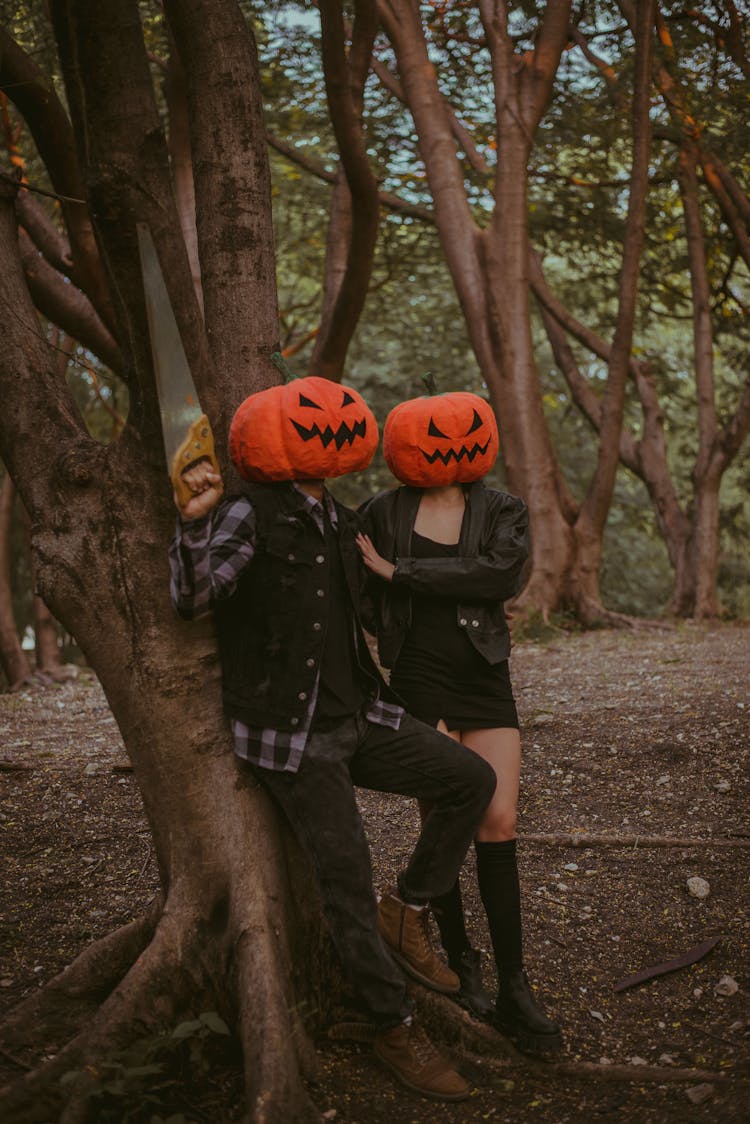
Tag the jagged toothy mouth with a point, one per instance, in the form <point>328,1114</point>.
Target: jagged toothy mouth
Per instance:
<point>345,434</point>
<point>452,455</point>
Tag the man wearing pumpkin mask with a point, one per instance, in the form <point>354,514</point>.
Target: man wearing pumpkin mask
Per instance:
<point>449,552</point>
<point>310,714</point>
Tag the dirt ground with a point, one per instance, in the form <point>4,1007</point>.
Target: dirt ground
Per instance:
<point>632,736</point>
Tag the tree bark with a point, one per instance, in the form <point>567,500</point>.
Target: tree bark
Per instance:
<point>181,157</point>
<point>13,660</point>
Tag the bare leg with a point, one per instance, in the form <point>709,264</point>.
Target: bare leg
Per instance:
<point>501,747</point>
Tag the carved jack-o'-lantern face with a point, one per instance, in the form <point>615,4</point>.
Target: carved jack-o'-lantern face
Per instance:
<point>443,439</point>
<point>307,429</point>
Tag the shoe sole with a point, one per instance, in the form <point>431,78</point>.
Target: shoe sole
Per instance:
<point>417,975</point>
<point>536,1045</point>
<point>431,1093</point>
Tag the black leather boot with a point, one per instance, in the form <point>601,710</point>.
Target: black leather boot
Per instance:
<point>520,1018</point>
<point>472,995</point>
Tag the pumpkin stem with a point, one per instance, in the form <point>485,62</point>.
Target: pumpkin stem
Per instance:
<point>282,366</point>
<point>429,380</point>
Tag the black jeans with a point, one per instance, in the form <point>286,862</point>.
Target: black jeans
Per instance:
<point>320,805</point>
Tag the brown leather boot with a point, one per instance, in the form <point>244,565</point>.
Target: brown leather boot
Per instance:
<point>408,1052</point>
<point>405,932</point>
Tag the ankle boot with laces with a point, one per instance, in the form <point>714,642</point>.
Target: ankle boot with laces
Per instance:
<point>409,1054</point>
<point>405,932</point>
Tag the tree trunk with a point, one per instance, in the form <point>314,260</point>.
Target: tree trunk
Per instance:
<point>490,268</point>
<point>592,518</point>
<point>703,548</point>
<point>47,643</point>
<point>237,936</point>
<point>13,660</point>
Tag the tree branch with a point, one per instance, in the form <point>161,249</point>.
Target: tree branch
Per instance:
<point>702,328</point>
<point>33,94</point>
<point>391,202</point>
<point>355,205</point>
<point>38,422</point>
<point>599,498</point>
<point>461,133</point>
<point>236,251</point>
<point>66,306</point>
<point>50,241</point>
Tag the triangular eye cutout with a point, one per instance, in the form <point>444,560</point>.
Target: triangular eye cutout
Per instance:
<point>477,421</point>
<point>433,430</point>
<point>303,401</point>
<point>347,399</point>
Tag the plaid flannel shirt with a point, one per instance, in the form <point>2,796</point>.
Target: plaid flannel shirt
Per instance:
<point>207,558</point>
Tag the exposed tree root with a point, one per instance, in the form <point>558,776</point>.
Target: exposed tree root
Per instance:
<point>485,1047</point>
<point>660,1074</point>
<point>477,1048</point>
<point>222,960</point>
<point>53,1013</point>
<point>575,839</point>
<point>595,615</point>
<point>145,996</point>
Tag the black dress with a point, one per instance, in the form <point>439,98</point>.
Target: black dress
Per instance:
<point>439,673</point>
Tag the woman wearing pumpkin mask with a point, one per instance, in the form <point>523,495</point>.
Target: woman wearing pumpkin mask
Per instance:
<point>448,552</point>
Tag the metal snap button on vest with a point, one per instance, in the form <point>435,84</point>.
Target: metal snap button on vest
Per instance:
<point>294,722</point>
<point>320,592</point>
<point>317,626</point>
<point>302,696</point>
<point>320,557</point>
<point>475,624</point>
<point>463,621</point>
<point>290,557</point>
<point>310,662</point>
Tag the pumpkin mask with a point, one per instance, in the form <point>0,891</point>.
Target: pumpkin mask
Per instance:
<point>307,429</point>
<point>442,439</point>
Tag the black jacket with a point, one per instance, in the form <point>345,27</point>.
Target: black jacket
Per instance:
<point>272,628</point>
<point>492,550</point>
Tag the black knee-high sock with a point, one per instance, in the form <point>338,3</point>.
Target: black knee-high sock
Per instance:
<point>497,873</point>
<point>449,914</point>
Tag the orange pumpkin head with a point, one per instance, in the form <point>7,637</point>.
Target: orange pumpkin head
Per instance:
<point>307,429</point>
<point>442,439</point>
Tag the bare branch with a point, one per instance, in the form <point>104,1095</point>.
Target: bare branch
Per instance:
<point>355,211</point>
<point>34,97</point>
<point>46,237</point>
<point>66,306</point>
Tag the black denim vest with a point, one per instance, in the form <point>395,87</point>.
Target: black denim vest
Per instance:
<point>272,629</point>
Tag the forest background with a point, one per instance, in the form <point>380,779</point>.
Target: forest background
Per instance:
<point>544,203</point>
<point>689,298</point>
